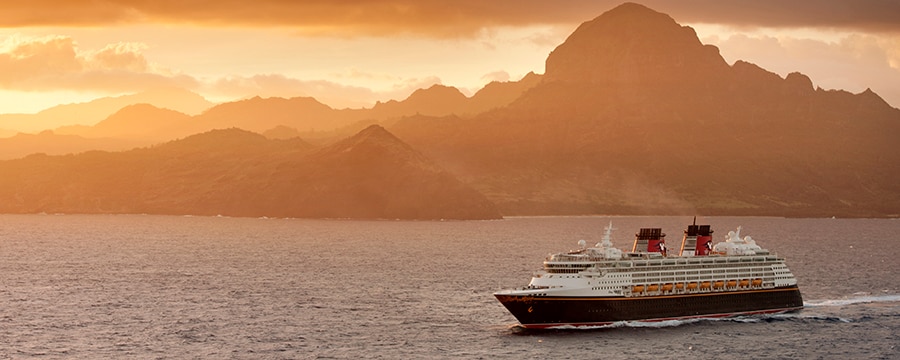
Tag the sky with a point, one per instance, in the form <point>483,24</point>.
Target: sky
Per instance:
<point>352,53</point>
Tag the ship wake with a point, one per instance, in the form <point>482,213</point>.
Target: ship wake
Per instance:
<point>759,318</point>
<point>858,298</point>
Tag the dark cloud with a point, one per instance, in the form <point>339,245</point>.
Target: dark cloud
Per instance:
<point>460,18</point>
<point>865,15</point>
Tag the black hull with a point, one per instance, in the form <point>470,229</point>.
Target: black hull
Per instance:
<point>543,312</point>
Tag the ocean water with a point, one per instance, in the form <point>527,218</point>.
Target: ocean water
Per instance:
<point>148,287</point>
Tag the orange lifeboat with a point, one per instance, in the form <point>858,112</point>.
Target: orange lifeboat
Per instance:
<point>653,288</point>
<point>667,287</point>
<point>637,288</point>
<point>756,282</point>
<point>731,283</point>
<point>692,286</point>
<point>719,284</point>
<point>679,286</point>
<point>744,283</point>
<point>704,285</point>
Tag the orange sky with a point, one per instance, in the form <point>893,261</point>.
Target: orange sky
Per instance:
<point>352,53</point>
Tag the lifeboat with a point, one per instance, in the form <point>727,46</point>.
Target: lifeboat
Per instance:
<point>637,288</point>
<point>704,285</point>
<point>679,286</point>
<point>719,284</point>
<point>692,286</point>
<point>756,282</point>
<point>653,288</point>
<point>744,283</point>
<point>731,283</point>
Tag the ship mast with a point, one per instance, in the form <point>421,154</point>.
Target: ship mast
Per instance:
<point>606,242</point>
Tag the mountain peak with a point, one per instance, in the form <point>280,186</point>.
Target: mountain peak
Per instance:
<point>441,97</point>
<point>436,90</point>
<point>373,141</point>
<point>630,9</point>
<point>373,134</point>
<point>437,100</point>
<point>375,174</point>
<point>632,44</point>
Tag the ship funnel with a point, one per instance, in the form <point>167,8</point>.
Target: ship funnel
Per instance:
<point>650,240</point>
<point>697,240</point>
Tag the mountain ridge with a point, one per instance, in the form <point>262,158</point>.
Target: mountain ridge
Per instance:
<point>234,172</point>
<point>620,124</point>
<point>599,135</point>
<point>94,111</point>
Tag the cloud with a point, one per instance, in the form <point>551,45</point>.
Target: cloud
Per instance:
<point>27,59</point>
<point>121,56</point>
<point>859,15</point>
<point>501,76</point>
<point>440,18</point>
<point>56,63</point>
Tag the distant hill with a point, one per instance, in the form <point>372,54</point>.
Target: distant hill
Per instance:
<point>635,116</point>
<point>132,126</point>
<point>142,124</point>
<point>48,142</point>
<point>375,175</point>
<point>281,132</point>
<point>499,94</point>
<point>233,172</point>
<point>92,112</point>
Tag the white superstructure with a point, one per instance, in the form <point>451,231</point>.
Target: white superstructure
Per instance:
<point>604,271</point>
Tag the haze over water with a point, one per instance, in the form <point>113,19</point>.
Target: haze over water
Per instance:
<point>108,286</point>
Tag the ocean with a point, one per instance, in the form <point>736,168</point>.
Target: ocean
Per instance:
<point>163,287</point>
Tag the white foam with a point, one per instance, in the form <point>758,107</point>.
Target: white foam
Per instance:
<point>852,301</point>
<point>655,324</point>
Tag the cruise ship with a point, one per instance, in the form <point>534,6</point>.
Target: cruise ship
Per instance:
<point>601,285</point>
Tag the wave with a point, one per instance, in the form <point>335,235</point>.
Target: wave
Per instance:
<point>863,299</point>
<point>631,324</point>
<point>644,324</point>
<point>794,316</point>
<point>806,317</point>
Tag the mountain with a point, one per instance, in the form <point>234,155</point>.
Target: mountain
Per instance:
<point>132,126</point>
<point>440,100</point>
<point>113,124</point>
<point>92,112</point>
<point>437,100</point>
<point>238,173</point>
<point>281,132</point>
<point>260,114</point>
<point>307,115</point>
<point>497,94</point>
<point>635,116</point>
<point>51,143</point>
<point>634,46</point>
<point>375,175</point>
<point>138,121</point>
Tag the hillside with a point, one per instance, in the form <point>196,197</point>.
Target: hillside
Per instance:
<point>136,123</point>
<point>635,116</point>
<point>92,112</point>
<point>233,172</point>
